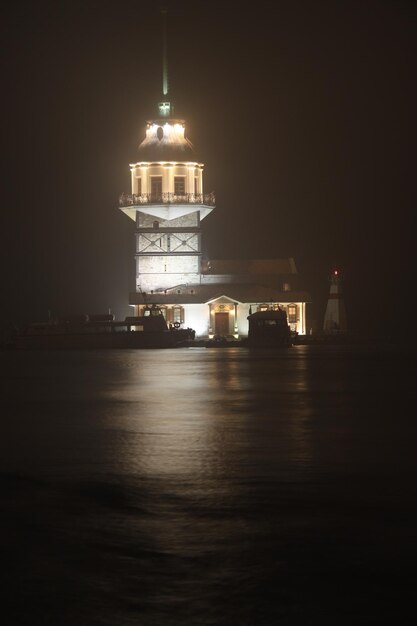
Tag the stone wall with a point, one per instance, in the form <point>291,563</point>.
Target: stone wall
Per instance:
<point>190,220</point>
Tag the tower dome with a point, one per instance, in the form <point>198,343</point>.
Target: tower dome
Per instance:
<point>165,141</point>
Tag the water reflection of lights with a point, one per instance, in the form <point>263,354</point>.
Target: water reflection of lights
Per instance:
<point>209,413</point>
<point>172,402</point>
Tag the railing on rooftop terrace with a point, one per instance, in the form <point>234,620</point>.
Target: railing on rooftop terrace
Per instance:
<point>127,199</point>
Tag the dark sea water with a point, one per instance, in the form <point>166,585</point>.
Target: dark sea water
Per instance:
<point>209,486</point>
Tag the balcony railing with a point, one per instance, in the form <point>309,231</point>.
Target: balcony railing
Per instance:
<point>127,199</point>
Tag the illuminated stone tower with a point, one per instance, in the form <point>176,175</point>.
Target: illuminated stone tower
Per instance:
<point>335,315</point>
<point>167,201</point>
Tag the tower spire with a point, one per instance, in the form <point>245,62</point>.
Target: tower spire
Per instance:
<point>165,108</point>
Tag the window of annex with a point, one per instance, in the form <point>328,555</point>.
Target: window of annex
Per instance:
<point>292,313</point>
<point>177,315</point>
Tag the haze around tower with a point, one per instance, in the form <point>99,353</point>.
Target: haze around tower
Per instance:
<point>304,116</point>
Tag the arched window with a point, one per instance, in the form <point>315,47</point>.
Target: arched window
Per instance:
<point>156,224</point>
<point>179,185</point>
<point>156,188</point>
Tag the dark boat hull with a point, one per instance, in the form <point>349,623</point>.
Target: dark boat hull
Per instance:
<point>281,342</point>
<point>98,341</point>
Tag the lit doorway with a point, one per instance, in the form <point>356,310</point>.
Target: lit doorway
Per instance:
<point>222,324</point>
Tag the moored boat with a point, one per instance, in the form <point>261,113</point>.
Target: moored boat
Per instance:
<point>102,331</point>
<point>269,329</point>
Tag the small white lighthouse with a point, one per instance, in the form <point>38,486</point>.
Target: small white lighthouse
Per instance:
<point>335,315</point>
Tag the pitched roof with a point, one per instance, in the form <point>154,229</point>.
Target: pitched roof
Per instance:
<point>199,294</point>
<point>252,266</point>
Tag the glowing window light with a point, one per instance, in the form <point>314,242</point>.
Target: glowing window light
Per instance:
<point>164,108</point>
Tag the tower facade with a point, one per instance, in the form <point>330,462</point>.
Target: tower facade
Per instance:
<point>167,203</point>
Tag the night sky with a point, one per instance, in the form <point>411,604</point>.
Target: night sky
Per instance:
<point>303,113</point>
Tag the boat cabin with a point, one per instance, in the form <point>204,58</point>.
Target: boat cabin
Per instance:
<point>269,328</point>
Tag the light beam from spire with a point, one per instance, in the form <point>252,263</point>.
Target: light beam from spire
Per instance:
<point>164,12</point>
